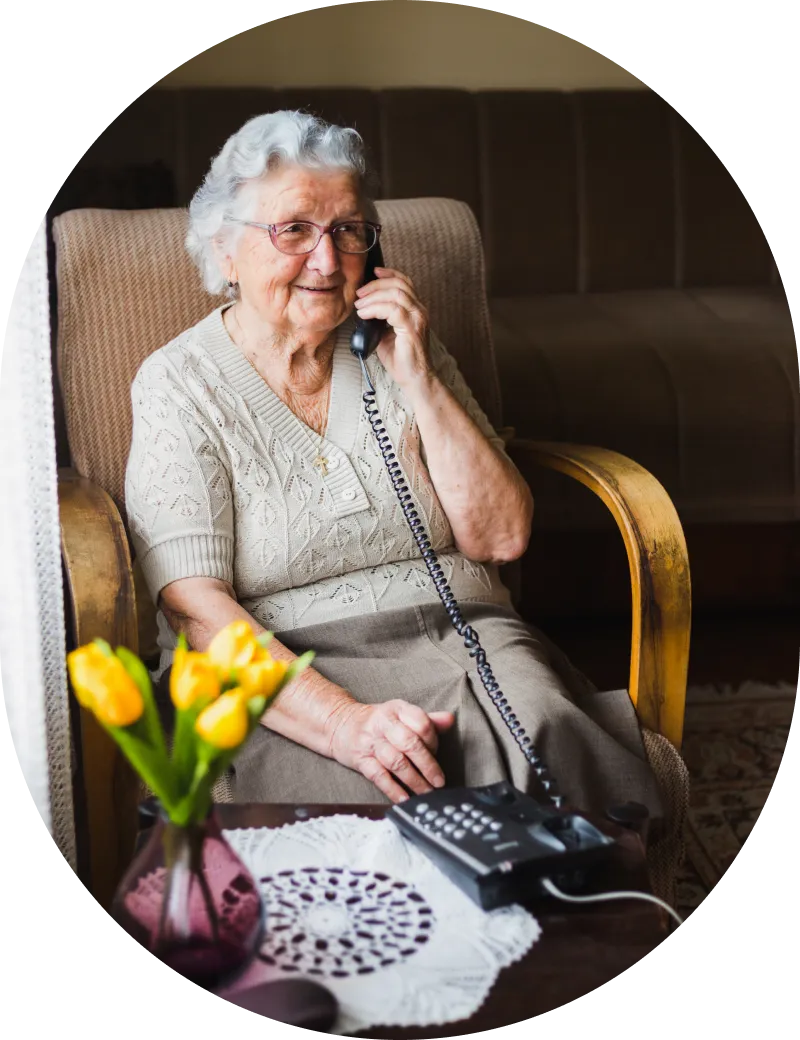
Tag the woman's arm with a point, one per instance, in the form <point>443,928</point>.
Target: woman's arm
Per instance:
<point>385,742</point>
<point>200,607</point>
<point>487,502</point>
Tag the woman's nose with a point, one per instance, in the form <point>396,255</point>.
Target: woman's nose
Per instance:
<point>324,257</point>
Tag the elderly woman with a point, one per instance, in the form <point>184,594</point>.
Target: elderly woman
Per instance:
<point>255,490</point>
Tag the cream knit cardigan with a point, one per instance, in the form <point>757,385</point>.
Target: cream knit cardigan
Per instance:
<point>220,483</point>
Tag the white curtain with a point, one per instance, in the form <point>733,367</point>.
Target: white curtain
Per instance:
<point>31,613</point>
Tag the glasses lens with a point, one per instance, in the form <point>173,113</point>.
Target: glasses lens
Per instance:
<point>355,237</point>
<point>296,238</point>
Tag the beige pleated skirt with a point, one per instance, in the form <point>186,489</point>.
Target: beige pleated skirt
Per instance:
<point>589,739</point>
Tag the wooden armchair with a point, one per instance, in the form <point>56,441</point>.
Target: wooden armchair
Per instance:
<point>126,287</point>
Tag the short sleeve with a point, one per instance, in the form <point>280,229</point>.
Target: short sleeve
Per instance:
<point>177,486</point>
<point>447,369</point>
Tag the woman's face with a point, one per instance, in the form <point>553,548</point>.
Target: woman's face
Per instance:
<point>314,292</point>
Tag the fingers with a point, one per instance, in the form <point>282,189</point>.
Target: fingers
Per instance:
<point>414,746</point>
<point>398,316</point>
<point>393,745</point>
<point>384,276</point>
<point>420,722</point>
<point>442,720</point>
<point>391,293</point>
<point>416,752</point>
<point>383,780</point>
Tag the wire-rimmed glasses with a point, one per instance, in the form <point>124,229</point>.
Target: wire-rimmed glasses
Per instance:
<point>302,236</point>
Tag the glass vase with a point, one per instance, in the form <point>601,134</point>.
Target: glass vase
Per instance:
<point>190,900</point>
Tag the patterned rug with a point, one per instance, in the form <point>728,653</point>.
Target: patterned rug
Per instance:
<point>733,743</point>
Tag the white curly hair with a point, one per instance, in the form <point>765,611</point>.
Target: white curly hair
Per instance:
<point>263,144</point>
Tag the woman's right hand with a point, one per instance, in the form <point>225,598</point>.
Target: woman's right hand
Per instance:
<point>391,742</point>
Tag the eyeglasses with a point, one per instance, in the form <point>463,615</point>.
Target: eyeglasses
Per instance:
<point>303,236</point>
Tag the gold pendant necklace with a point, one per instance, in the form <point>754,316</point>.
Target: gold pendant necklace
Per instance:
<point>320,462</point>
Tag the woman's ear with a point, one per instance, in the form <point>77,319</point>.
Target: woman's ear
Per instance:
<point>225,262</point>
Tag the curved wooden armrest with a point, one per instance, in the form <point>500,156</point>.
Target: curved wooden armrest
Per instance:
<point>659,566</point>
<point>97,566</point>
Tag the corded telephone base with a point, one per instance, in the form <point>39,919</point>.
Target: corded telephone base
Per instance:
<point>496,843</point>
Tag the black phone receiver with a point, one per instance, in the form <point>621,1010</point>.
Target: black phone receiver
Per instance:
<point>368,332</point>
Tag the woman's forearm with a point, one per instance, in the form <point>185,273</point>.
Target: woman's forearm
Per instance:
<point>307,711</point>
<point>486,500</point>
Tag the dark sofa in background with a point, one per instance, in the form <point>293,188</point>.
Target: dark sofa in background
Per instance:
<point>635,304</point>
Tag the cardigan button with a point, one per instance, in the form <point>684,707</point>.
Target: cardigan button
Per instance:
<point>333,463</point>
<point>348,495</point>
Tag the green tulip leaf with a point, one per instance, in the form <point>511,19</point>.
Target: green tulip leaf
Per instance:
<point>151,765</point>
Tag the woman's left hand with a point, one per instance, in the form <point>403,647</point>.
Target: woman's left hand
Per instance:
<point>403,350</point>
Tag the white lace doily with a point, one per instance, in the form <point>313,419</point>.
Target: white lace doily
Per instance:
<point>355,906</point>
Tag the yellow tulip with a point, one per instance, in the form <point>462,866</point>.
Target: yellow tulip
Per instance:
<point>233,647</point>
<point>263,676</point>
<point>103,686</point>
<point>193,679</point>
<point>223,724</point>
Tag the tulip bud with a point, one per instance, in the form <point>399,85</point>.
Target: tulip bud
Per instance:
<point>193,679</point>
<point>233,647</point>
<point>223,724</point>
<point>103,686</point>
<point>262,677</point>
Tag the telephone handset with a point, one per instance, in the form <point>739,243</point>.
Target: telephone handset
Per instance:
<point>368,331</point>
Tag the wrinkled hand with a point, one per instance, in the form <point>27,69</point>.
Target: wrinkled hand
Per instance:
<point>403,350</point>
<point>391,742</point>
